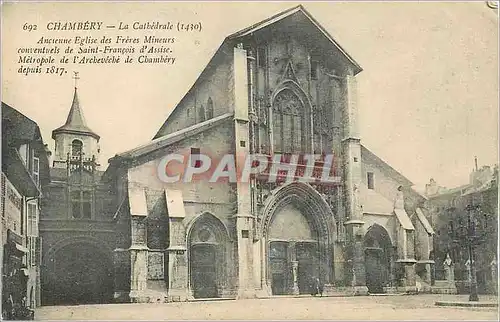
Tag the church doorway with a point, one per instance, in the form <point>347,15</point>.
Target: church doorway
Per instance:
<point>298,228</point>
<point>308,265</point>
<point>203,271</point>
<point>79,274</point>
<point>207,257</point>
<point>293,252</point>
<point>377,259</point>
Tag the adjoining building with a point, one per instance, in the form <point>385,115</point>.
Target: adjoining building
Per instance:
<point>285,87</point>
<point>76,223</point>
<point>25,172</point>
<point>450,219</point>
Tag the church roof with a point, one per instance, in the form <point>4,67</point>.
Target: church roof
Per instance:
<point>382,165</point>
<point>170,139</point>
<point>294,20</point>
<point>75,123</point>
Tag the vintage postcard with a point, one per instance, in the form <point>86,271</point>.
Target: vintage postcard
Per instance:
<point>249,160</point>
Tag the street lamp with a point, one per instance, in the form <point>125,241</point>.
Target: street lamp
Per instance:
<point>472,240</point>
<point>467,236</point>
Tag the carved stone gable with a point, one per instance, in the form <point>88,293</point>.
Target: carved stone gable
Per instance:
<point>289,72</point>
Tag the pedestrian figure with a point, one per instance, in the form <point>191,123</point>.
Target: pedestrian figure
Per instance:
<point>319,287</point>
<point>316,287</point>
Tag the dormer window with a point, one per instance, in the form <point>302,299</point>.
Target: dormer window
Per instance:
<point>76,148</point>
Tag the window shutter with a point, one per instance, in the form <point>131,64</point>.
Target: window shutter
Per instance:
<point>38,251</point>
<point>33,251</point>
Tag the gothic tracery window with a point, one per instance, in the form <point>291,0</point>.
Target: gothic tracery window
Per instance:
<point>288,122</point>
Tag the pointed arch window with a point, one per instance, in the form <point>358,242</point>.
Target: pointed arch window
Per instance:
<point>210,108</point>
<point>201,113</point>
<point>288,122</point>
<point>76,148</point>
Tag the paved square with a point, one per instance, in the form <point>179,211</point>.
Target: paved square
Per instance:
<point>417,307</point>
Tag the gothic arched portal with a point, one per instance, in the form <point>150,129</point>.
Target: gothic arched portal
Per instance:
<point>207,240</point>
<point>378,250</point>
<point>297,228</point>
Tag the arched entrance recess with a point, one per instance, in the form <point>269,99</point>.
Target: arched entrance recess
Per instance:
<point>298,228</point>
<point>378,249</point>
<point>78,271</point>
<point>207,241</point>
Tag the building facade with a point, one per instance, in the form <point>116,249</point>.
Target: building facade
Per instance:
<point>283,87</point>
<point>24,174</point>
<point>76,224</point>
<point>450,218</point>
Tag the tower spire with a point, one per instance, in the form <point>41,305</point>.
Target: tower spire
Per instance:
<point>75,122</point>
<point>76,78</point>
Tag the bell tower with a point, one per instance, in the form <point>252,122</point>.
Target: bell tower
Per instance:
<point>74,139</point>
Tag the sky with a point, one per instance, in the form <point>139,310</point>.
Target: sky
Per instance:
<point>428,92</point>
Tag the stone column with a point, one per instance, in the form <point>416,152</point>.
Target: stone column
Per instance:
<point>243,215</point>
<point>410,277</point>
<point>351,151</point>
<point>178,274</point>
<point>295,268</point>
<point>244,227</point>
<point>428,272</point>
<point>177,251</point>
<point>138,260</point>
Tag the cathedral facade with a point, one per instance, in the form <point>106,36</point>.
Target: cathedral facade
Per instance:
<point>282,87</point>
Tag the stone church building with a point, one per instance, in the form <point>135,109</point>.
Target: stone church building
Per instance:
<point>282,86</point>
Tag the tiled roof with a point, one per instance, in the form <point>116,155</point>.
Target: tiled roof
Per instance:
<point>16,126</point>
<point>169,139</point>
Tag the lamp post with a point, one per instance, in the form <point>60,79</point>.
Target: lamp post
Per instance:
<point>471,241</point>
<point>467,237</point>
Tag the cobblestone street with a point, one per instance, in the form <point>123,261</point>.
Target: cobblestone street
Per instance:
<point>418,307</point>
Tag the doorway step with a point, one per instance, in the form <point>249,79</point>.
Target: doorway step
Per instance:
<point>212,299</point>
<point>343,291</point>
